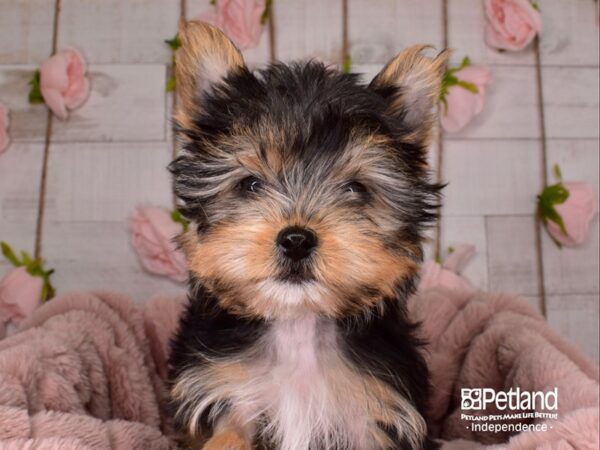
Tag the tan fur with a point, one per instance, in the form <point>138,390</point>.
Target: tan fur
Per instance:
<point>420,78</point>
<point>205,57</point>
<point>227,440</point>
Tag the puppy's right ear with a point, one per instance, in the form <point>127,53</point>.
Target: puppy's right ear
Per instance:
<point>206,57</point>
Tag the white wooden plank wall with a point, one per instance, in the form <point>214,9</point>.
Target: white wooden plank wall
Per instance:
<point>111,154</point>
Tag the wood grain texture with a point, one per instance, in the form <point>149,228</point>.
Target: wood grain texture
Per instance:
<point>511,107</point>
<point>571,33</point>
<point>27,121</point>
<point>257,56</point>
<point>127,103</point>
<point>98,255</point>
<point>20,170</point>
<point>512,259</point>
<point>25,31</point>
<point>379,30</point>
<point>470,230</point>
<point>574,270</point>
<point>576,316</point>
<point>105,181</point>
<point>115,31</point>
<point>571,102</point>
<point>308,29</point>
<point>491,177</point>
<point>466,27</point>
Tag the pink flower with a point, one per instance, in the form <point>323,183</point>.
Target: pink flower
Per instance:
<point>512,24</point>
<point>153,232</point>
<point>63,82</point>
<point>446,275</point>
<point>577,212</point>
<point>4,122</point>
<point>461,103</point>
<point>20,295</point>
<point>239,19</point>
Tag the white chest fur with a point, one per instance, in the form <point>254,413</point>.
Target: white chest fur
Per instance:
<point>308,392</point>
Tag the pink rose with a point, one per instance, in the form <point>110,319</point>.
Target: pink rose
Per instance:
<point>20,295</point>
<point>63,82</point>
<point>446,275</point>
<point>462,104</point>
<point>4,122</point>
<point>153,234</point>
<point>512,24</point>
<point>239,19</point>
<point>577,212</point>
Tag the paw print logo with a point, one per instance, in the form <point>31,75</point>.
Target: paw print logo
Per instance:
<point>470,399</point>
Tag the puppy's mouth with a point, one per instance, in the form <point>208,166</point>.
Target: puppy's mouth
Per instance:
<point>296,274</point>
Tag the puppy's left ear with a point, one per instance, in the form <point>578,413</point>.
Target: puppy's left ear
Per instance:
<point>206,57</point>
<point>411,82</point>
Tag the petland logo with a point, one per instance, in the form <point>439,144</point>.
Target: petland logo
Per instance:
<point>514,411</point>
<point>514,400</point>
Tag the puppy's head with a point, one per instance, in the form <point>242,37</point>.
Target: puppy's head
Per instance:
<point>308,189</point>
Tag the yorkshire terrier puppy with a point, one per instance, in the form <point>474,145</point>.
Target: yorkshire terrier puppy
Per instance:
<point>309,193</point>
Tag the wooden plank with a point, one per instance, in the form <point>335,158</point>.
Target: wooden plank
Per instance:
<point>308,29</point>
<point>491,177</point>
<point>571,102</point>
<point>379,30</point>
<point>26,31</point>
<point>511,107</point>
<point>256,56</point>
<point>20,170</point>
<point>105,181</point>
<point>570,34</point>
<point>574,270</point>
<point>127,103</point>
<point>115,31</point>
<point>27,121</point>
<point>98,255</point>
<point>469,230</point>
<point>466,28</point>
<point>92,190</point>
<point>576,316</point>
<point>512,256</point>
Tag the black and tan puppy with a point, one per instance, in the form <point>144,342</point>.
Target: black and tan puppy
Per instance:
<point>308,192</point>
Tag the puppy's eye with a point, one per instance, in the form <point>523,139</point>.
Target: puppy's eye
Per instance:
<point>355,187</point>
<point>251,184</point>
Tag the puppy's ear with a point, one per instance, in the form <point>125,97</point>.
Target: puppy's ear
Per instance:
<point>412,82</point>
<point>206,57</point>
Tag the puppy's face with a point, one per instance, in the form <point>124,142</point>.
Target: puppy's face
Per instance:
<point>308,189</point>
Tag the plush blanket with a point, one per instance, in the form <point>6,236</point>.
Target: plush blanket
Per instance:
<point>87,370</point>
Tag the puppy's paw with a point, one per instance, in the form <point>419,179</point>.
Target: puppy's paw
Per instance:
<point>227,440</point>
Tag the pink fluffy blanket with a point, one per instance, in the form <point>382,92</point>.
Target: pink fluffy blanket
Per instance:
<point>87,370</point>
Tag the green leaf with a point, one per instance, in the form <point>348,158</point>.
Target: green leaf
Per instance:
<point>450,250</point>
<point>347,64</point>
<point>468,86</point>
<point>536,6</point>
<point>266,12</point>
<point>171,84</point>
<point>557,172</point>
<point>10,255</point>
<point>178,218</point>
<point>450,79</point>
<point>35,92</point>
<point>174,43</point>
<point>551,196</point>
<point>27,260</point>
<point>213,2</point>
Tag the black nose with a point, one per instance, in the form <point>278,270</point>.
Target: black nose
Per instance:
<point>296,242</point>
